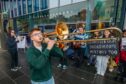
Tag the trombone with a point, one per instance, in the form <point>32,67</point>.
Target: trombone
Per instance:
<point>62,32</point>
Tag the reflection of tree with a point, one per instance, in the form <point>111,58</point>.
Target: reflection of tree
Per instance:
<point>61,18</point>
<point>98,10</point>
<point>74,18</point>
<point>82,14</point>
<point>22,25</point>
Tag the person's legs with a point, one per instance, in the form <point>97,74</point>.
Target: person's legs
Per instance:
<point>82,55</point>
<point>16,58</point>
<point>50,81</point>
<point>104,64</point>
<point>123,73</point>
<point>98,64</point>
<point>12,60</point>
<point>63,62</point>
<point>78,58</point>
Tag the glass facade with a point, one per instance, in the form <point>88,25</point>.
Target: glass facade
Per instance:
<point>53,4</point>
<point>36,5</point>
<point>29,6</point>
<point>50,11</point>
<point>19,8</point>
<point>44,4</point>
<point>24,6</point>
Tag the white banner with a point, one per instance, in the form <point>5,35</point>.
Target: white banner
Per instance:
<point>22,42</point>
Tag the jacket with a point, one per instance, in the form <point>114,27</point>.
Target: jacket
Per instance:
<point>40,63</point>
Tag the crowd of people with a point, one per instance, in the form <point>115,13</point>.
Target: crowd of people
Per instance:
<point>42,49</point>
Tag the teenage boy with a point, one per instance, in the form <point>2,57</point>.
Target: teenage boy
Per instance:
<point>38,56</point>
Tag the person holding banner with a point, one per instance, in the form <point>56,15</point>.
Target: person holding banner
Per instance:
<point>39,58</point>
<point>92,58</point>
<point>102,61</point>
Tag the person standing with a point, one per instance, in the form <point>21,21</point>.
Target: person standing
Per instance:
<point>39,58</point>
<point>102,60</point>
<point>12,48</point>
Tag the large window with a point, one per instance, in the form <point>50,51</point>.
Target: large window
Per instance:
<point>24,6</point>
<point>29,6</point>
<point>36,5</point>
<point>53,4</point>
<point>19,7</point>
<point>65,2</point>
<point>44,4</point>
<point>103,10</point>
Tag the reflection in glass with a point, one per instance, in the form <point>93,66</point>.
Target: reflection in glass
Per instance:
<point>53,3</point>
<point>65,2</point>
<point>24,6</point>
<point>44,4</point>
<point>19,7</point>
<point>36,5</point>
<point>29,6</point>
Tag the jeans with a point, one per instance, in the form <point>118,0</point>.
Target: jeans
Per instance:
<point>101,64</point>
<point>50,81</point>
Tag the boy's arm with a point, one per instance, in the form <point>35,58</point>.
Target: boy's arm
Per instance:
<point>37,61</point>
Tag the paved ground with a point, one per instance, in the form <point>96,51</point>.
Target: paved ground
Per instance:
<point>83,75</point>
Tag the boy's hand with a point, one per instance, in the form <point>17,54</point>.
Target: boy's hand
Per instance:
<point>46,40</point>
<point>50,44</point>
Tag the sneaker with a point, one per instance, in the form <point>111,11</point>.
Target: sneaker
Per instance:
<point>88,64</point>
<point>18,67</point>
<point>59,66</point>
<point>14,69</point>
<point>64,67</point>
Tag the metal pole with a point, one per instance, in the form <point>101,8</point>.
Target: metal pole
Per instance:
<point>17,6</point>
<point>116,4</point>
<point>13,8</point>
<point>26,6</point>
<point>39,5</point>
<point>32,6</point>
<point>10,8</point>
<point>123,13</point>
<point>21,7</point>
<point>88,15</point>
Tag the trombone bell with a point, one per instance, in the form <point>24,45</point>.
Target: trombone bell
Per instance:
<point>62,30</point>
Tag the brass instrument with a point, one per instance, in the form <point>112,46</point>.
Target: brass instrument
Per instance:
<point>61,31</point>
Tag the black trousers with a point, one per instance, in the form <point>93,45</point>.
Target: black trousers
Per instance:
<point>123,69</point>
<point>14,59</point>
<point>63,60</point>
<point>79,56</point>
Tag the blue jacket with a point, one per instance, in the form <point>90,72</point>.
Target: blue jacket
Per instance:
<point>82,37</point>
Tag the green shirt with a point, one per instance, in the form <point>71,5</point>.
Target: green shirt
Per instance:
<point>39,62</point>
